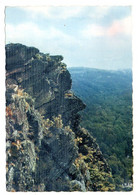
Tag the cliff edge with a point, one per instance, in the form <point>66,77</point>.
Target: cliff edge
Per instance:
<point>46,149</point>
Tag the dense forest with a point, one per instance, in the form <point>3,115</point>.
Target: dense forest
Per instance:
<point>108,116</point>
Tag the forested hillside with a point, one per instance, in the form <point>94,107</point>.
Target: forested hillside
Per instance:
<point>108,116</point>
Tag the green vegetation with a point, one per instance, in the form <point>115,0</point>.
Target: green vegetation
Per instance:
<point>108,116</point>
<point>90,158</point>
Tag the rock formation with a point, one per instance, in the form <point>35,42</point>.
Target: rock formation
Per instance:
<point>46,148</point>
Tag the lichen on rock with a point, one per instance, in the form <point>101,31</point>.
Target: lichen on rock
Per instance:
<point>46,148</point>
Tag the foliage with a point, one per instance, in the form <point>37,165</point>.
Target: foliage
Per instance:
<point>108,116</point>
<point>38,56</point>
<point>58,121</point>
<point>100,179</point>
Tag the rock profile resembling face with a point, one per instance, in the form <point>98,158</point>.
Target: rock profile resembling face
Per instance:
<point>46,148</point>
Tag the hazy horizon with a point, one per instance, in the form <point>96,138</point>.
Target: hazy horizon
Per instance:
<point>82,67</point>
<point>88,36</point>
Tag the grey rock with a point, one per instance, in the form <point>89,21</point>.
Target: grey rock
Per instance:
<point>42,157</point>
<point>78,186</point>
<point>18,54</point>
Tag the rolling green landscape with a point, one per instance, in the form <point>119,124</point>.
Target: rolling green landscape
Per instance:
<point>108,117</point>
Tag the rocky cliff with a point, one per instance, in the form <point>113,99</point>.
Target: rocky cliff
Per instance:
<point>46,148</point>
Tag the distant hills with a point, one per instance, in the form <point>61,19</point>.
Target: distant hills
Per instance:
<point>108,116</point>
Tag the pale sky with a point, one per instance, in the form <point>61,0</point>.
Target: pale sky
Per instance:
<point>87,36</point>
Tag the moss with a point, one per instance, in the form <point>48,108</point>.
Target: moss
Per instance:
<point>68,95</point>
<point>38,56</point>
<point>78,140</point>
<point>58,121</point>
<point>100,179</point>
<point>92,161</point>
<point>68,129</point>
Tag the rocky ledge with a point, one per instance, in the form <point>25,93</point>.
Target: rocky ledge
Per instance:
<point>46,148</point>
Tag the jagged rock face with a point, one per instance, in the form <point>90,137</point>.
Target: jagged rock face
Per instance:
<point>46,148</point>
<point>18,55</point>
<point>39,153</point>
<point>45,78</point>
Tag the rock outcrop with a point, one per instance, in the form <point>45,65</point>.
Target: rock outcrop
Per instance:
<point>46,148</point>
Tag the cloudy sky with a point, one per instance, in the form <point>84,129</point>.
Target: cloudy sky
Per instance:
<point>89,36</point>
